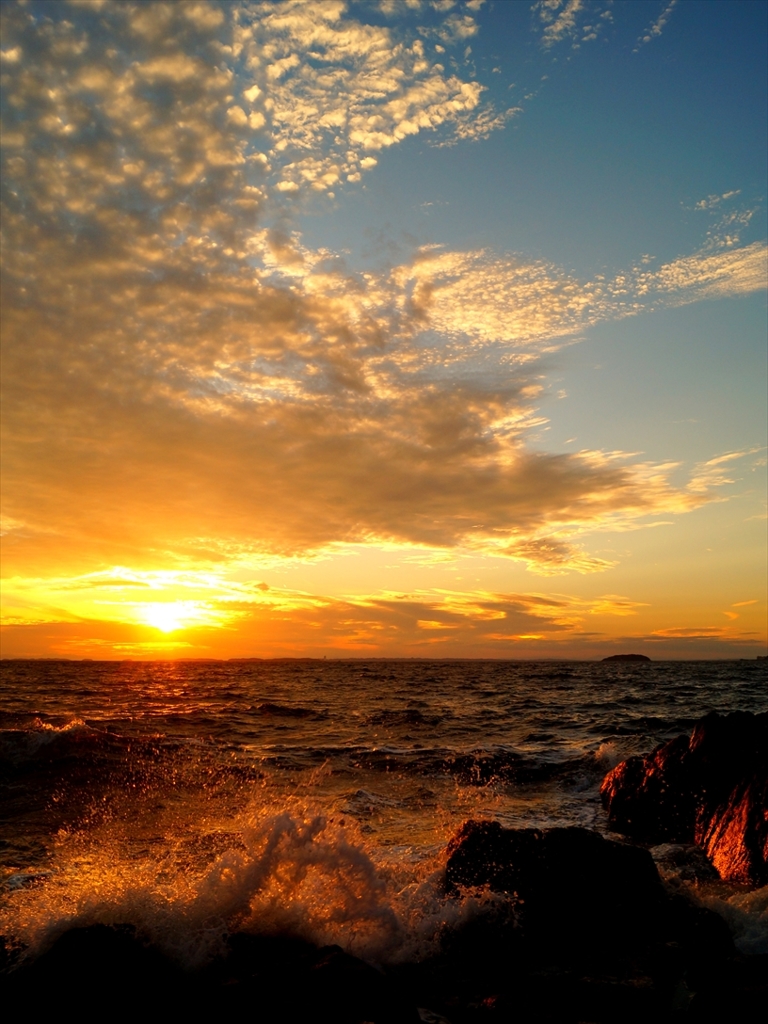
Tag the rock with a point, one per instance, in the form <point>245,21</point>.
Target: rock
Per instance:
<point>293,981</point>
<point>595,936</point>
<point>348,989</point>
<point>627,657</point>
<point>683,863</point>
<point>104,970</point>
<point>92,967</point>
<point>711,789</point>
<point>574,889</point>
<point>651,798</point>
<point>737,991</point>
<point>735,835</point>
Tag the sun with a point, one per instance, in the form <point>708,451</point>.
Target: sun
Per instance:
<point>168,616</point>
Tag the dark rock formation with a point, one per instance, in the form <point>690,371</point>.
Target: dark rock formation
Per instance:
<point>596,935</point>
<point>93,968</point>
<point>109,972</point>
<point>627,657</point>
<point>574,888</point>
<point>711,789</point>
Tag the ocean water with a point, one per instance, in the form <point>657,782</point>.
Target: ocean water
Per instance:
<point>194,799</point>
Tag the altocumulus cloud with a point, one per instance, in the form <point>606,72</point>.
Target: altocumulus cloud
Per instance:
<point>184,379</point>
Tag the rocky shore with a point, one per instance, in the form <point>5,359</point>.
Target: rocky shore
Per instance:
<point>576,927</point>
<point>710,789</point>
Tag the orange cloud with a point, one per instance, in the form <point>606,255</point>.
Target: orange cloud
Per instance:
<point>283,623</point>
<point>186,384</point>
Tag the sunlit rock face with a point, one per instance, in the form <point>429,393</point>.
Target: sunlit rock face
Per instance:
<point>711,789</point>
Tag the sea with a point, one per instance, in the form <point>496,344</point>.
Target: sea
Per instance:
<point>196,799</point>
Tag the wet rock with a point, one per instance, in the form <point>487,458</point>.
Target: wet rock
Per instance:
<point>737,990</point>
<point>711,789</point>
<point>594,934</point>
<point>93,968</point>
<point>683,863</point>
<point>651,798</point>
<point>487,971</point>
<point>351,990</point>
<point>573,889</point>
<point>105,971</point>
<point>291,980</point>
<point>568,998</point>
<point>735,834</point>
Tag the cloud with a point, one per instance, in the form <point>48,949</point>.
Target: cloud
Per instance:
<point>421,624</point>
<point>715,472</point>
<point>478,124</point>
<point>705,275</point>
<point>714,200</point>
<point>490,297</point>
<point>657,27</point>
<point>691,633</point>
<point>339,87</point>
<point>191,105</point>
<point>128,598</point>
<point>185,381</point>
<point>578,20</point>
<point>559,18</point>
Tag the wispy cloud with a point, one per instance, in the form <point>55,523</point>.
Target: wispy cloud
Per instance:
<point>559,18</point>
<point>580,21</point>
<point>715,200</point>
<point>737,271</point>
<point>657,27</point>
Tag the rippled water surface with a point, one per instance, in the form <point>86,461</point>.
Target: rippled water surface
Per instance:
<point>140,785</point>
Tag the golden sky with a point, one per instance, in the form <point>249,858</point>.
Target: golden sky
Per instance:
<point>224,438</point>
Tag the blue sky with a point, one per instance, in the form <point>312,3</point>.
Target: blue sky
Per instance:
<point>418,327</point>
<point>609,160</point>
<point>609,156</point>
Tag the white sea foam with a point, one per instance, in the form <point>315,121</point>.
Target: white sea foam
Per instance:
<point>37,735</point>
<point>608,754</point>
<point>294,872</point>
<point>747,917</point>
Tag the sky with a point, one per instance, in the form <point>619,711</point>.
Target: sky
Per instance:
<point>410,328</point>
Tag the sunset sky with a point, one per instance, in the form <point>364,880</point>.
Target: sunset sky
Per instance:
<point>399,328</point>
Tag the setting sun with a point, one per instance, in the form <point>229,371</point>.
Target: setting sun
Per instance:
<point>166,617</point>
<point>169,616</point>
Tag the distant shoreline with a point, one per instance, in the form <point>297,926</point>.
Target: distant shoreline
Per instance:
<point>381,659</point>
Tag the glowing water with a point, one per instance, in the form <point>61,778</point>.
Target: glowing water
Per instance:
<point>194,800</point>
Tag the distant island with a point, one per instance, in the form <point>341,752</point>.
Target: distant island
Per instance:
<point>626,657</point>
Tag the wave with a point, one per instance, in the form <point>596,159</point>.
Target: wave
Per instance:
<point>477,768</point>
<point>76,757</point>
<point>286,711</point>
<point>293,873</point>
<point>407,717</point>
<point>746,914</point>
<point>297,873</point>
<point>39,740</point>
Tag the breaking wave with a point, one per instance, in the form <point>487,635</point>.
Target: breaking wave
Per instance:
<point>294,873</point>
